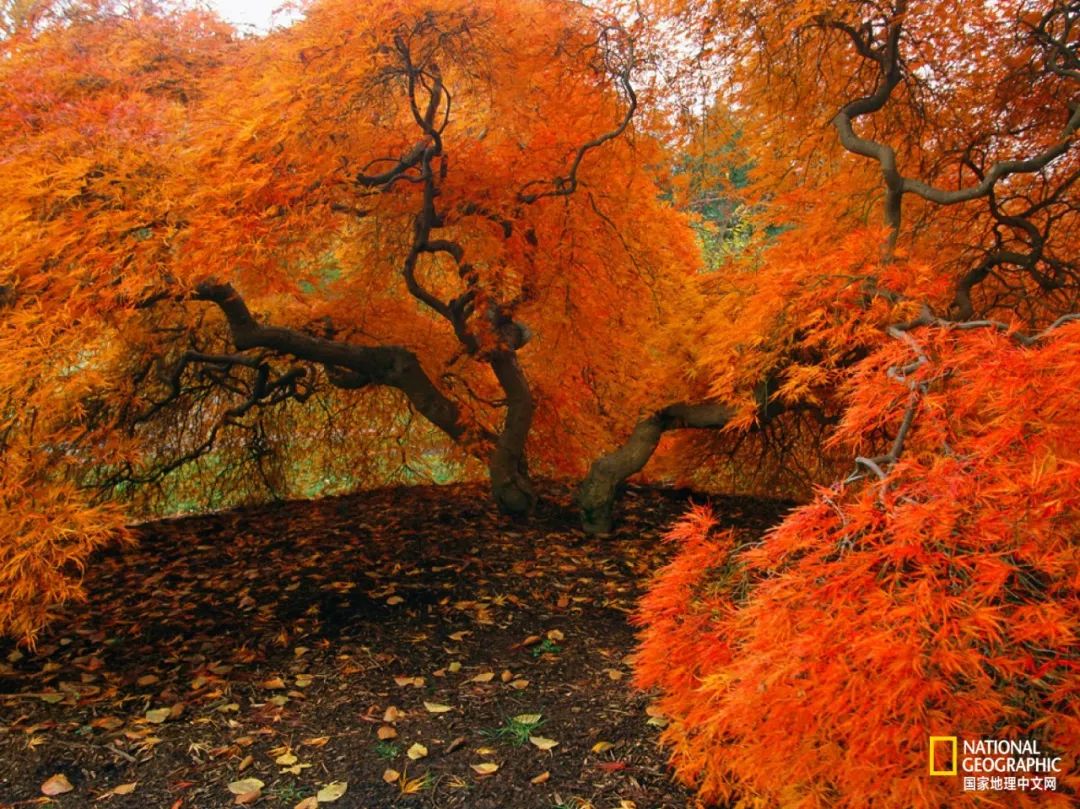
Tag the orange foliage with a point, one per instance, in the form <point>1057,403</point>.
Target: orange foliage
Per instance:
<point>145,153</point>
<point>86,108</point>
<point>809,670</point>
<point>934,590</point>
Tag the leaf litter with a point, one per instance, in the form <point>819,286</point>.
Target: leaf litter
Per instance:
<point>252,657</point>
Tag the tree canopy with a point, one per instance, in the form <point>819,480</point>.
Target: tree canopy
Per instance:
<point>824,246</point>
<point>442,211</point>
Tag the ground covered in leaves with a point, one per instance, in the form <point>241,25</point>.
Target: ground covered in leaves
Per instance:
<point>396,648</point>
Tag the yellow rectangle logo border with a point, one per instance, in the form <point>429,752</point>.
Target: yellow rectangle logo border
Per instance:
<point>952,741</point>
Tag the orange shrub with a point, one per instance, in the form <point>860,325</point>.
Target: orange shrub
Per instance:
<point>809,670</point>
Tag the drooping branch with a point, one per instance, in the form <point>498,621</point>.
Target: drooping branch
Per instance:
<point>1023,239</point>
<point>917,388</point>
<point>259,390</point>
<point>393,366</point>
<point>887,57</point>
<point>567,184</point>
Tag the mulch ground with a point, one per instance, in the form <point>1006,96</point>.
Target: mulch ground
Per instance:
<point>410,645</point>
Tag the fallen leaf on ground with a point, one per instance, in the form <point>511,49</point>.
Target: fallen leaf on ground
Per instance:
<point>158,715</point>
<point>56,785</point>
<point>542,742</point>
<point>600,747</point>
<point>332,791</point>
<point>612,766</point>
<point>484,677</point>
<point>245,785</point>
<point>122,789</point>
<point>308,803</point>
<point>541,778</point>
<point>435,707</point>
<point>386,732</point>
<point>417,751</point>
<point>527,718</point>
<point>390,776</point>
<point>485,767</point>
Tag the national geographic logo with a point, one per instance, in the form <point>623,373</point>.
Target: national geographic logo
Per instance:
<point>1004,765</point>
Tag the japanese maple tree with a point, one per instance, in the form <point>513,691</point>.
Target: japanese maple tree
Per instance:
<point>407,226</point>
<point>918,163</point>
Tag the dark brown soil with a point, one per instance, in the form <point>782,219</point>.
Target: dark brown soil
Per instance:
<point>288,636</point>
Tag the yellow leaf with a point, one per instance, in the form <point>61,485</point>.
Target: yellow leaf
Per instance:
<point>417,751</point>
<point>245,785</point>
<point>435,707</point>
<point>332,791</point>
<point>485,767</point>
<point>543,743</point>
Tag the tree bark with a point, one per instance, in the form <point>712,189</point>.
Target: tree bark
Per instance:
<point>596,496</point>
<point>508,466</point>
<point>394,366</point>
<point>352,366</point>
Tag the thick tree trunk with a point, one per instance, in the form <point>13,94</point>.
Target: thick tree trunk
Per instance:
<point>355,367</point>
<point>596,496</point>
<point>508,467</point>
